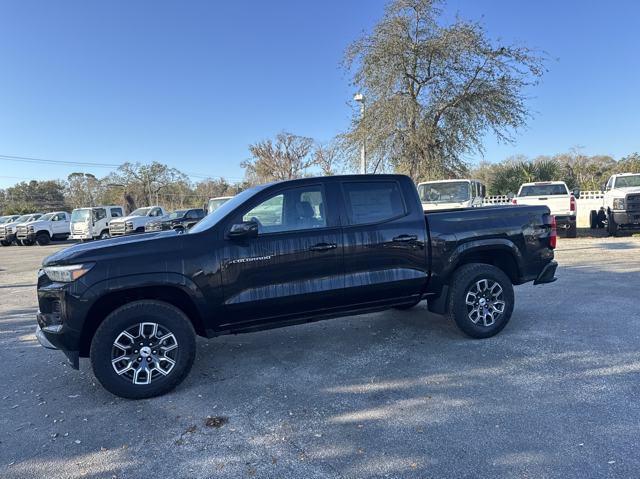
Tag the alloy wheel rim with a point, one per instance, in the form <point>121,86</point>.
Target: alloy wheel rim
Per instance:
<point>144,353</point>
<point>485,302</point>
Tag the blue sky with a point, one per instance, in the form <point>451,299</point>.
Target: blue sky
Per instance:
<point>192,84</point>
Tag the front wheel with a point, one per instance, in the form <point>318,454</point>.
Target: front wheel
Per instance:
<point>43,239</point>
<point>143,349</point>
<point>612,226</point>
<point>5,243</point>
<point>480,300</point>
<point>105,235</point>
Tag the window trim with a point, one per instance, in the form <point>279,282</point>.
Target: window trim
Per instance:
<point>347,204</point>
<point>270,193</point>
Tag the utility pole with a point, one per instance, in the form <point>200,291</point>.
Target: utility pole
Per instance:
<point>359,97</point>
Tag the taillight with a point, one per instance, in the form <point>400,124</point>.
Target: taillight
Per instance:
<point>553,235</point>
<point>572,204</point>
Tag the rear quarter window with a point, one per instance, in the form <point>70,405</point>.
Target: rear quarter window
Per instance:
<point>373,202</point>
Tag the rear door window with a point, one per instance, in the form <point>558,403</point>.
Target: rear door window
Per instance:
<point>373,202</point>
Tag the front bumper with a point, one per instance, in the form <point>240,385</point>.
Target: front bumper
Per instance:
<point>630,220</point>
<point>54,340</point>
<point>27,237</point>
<point>80,236</point>
<point>547,275</point>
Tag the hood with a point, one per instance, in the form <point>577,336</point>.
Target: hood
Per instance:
<point>12,224</point>
<point>625,190</point>
<point>127,218</point>
<point>114,248</point>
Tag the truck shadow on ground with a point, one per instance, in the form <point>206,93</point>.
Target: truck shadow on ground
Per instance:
<point>398,393</point>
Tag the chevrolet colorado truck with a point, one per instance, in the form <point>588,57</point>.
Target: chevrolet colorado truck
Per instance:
<point>280,254</point>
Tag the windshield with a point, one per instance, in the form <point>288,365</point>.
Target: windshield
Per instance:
<point>449,192</point>
<point>216,203</point>
<point>22,219</point>
<point>80,215</point>
<point>33,218</point>
<point>140,212</point>
<point>223,210</point>
<point>177,214</point>
<point>543,190</point>
<point>627,181</point>
<point>46,217</point>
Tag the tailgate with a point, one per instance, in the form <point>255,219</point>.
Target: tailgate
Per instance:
<point>560,205</point>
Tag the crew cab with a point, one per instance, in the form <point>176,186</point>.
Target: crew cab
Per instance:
<point>179,220</point>
<point>8,230</point>
<point>280,254</point>
<point>451,194</point>
<point>621,204</point>
<point>93,223</point>
<point>555,195</point>
<point>136,221</point>
<point>50,227</point>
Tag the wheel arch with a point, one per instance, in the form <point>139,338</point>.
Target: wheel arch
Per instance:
<point>111,300</point>
<point>502,254</point>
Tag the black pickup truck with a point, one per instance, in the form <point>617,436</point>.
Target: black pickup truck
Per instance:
<point>281,254</point>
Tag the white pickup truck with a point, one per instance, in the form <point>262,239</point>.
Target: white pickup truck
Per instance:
<point>8,229</point>
<point>451,194</point>
<point>50,227</point>
<point>555,195</point>
<point>136,221</point>
<point>621,204</point>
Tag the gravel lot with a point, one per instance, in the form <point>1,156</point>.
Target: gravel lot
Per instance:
<point>393,394</point>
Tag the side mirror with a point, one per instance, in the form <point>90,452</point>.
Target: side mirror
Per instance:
<point>246,229</point>
<point>603,188</point>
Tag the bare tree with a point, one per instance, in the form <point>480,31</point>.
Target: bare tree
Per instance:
<point>432,92</point>
<point>328,158</point>
<point>285,158</point>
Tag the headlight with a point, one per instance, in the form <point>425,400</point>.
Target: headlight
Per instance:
<point>30,229</point>
<point>618,203</point>
<point>128,225</point>
<point>8,230</point>
<point>67,274</point>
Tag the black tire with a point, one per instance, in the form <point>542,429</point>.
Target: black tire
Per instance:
<point>464,280</point>
<point>27,243</point>
<point>43,239</point>
<point>612,226</point>
<point>18,242</point>
<point>572,230</point>
<point>593,219</point>
<point>5,243</point>
<point>404,307</point>
<point>168,318</point>
<point>104,235</point>
<point>602,217</point>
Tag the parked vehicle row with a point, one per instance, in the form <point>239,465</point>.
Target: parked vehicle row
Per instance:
<point>8,229</point>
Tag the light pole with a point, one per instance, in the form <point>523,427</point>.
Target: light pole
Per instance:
<point>359,97</point>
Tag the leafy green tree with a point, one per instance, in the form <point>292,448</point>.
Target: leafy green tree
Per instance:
<point>433,91</point>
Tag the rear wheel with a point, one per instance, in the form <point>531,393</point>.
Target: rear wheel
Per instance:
<point>143,349</point>
<point>43,239</point>
<point>593,219</point>
<point>481,300</point>
<point>572,230</point>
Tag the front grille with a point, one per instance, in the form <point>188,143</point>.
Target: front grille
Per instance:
<point>2,232</point>
<point>21,232</point>
<point>633,203</point>
<point>116,229</point>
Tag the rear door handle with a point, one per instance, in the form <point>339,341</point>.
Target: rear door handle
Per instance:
<point>323,247</point>
<point>405,238</point>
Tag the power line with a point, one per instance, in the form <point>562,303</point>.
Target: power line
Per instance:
<point>27,159</point>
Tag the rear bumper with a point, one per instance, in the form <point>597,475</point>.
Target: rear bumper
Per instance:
<point>547,275</point>
<point>565,221</point>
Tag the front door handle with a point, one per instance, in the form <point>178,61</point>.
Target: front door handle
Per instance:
<point>405,238</point>
<point>323,247</point>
